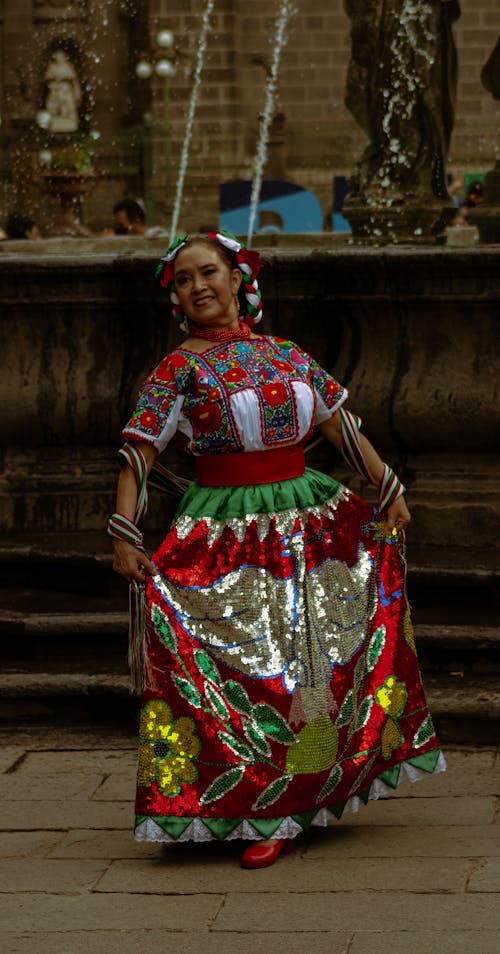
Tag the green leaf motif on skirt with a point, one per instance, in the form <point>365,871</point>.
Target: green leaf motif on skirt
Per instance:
<point>272,723</point>
<point>237,746</point>
<point>273,791</point>
<point>331,782</point>
<point>346,710</point>
<point>257,739</point>
<point>222,784</point>
<point>423,733</point>
<point>207,667</point>
<point>375,648</point>
<point>408,631</point>
<point>364,712</point>
<point>359,673</point>
<point>163,628</point>
<point>237,697</point>
<point>216,702</point>
<point>188,690</point>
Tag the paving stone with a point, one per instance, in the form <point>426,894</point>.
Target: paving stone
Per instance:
<point>425,942</point>
<point>49,787</point>
<point>9,755</point>
<point>468,772</point>
<point>103,761</point>
<point>28,844</point>
<point>155,942</point>
<point>356,911</point>
<point>449,841</point>
<point>49,876</point>
<point>193,871</point>
<point>30,816</point>
<point>118,787</point>
<point>462,810</point>
<point>91,912</point>
<point>486,877</point>
<point>104,844</point>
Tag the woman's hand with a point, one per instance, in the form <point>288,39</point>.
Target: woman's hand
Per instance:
<point>398,516</point>
<point>130,562</point>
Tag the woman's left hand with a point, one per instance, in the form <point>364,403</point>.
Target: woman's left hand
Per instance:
<point>398,516</point>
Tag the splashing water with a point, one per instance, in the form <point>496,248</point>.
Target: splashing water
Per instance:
<point>286,10</point>
<point>412,43</point>
<point>200,56</point>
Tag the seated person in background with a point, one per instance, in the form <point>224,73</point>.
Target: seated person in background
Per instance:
<point>130,219</point>
<point>21,227</point>
<point>473,198</point>
<point>474,194</point>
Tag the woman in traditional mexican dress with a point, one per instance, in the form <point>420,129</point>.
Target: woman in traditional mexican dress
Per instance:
<point>279,674</point>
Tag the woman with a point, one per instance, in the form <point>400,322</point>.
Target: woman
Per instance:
<point>280,676</point>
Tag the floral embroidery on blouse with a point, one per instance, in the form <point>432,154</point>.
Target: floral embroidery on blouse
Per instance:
<point>196,396</point>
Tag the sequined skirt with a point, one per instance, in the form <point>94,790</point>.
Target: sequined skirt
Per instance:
<point>287,684</point>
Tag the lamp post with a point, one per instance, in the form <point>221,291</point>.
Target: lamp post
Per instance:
<point>165,69</point>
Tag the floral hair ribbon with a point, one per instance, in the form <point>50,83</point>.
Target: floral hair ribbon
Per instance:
<point>246,260</point>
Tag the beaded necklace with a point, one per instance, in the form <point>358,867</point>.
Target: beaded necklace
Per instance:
<point>221,334</point>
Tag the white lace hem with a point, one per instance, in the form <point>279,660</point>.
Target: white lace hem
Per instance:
<point>148,830</point>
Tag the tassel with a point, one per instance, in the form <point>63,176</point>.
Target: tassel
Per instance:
<point>136,635</point>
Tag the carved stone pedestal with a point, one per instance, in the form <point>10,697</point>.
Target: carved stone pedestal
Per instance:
<point>396,225</point>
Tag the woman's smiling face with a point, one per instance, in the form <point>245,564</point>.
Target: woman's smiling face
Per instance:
<point>206,286</point>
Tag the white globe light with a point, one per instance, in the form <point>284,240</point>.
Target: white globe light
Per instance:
<point>165,39</point>
<point>43,118</point>
<point>143,69</point>
<point>165,68</point>
<point>45,157</point>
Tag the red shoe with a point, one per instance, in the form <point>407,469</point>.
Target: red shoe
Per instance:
<point>264,853</point>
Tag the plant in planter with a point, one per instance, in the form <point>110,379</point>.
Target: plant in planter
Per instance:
<point>69,173</point>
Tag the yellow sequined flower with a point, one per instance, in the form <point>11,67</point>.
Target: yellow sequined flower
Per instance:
<point>392,738</point>
<point>167,748</point>
<point>392,696</point>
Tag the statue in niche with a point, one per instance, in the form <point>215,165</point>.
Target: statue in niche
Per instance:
<point>64,93</point>
<point>401,89</point>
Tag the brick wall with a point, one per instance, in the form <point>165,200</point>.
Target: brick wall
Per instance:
<point>321,138</point>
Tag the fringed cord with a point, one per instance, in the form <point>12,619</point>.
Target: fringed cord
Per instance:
<point>122,528</point>
<point>389,487</point>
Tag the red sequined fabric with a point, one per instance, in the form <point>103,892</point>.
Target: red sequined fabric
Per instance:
<point>286,672</point>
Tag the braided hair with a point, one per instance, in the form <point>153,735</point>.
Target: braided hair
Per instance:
<point>235,254</point>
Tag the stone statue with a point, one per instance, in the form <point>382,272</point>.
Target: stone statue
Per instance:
<point>63,93</point>
<point>401,87</point>
<point>490,75</point>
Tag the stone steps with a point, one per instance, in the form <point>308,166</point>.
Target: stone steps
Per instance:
<point>63,632</point>
<point>465,709</point>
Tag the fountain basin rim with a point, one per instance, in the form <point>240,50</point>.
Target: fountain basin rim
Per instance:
<point>76,251</point>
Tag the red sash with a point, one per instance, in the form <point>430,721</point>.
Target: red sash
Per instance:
<point>253,467</point>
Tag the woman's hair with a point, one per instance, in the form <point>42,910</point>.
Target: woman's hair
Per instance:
<point>234,254</point>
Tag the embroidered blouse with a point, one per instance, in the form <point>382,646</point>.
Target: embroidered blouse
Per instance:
<point>246,395</point>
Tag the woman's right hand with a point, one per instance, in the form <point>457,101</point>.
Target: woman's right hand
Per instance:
<point>130,562</point>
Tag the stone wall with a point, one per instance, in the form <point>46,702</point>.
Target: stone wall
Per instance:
<point>413,333</point>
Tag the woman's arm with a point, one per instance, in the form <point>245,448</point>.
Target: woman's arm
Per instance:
<point>128,561</point>
<point>398,515</point>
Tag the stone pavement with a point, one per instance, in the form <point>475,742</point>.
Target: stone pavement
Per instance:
<point>415,874</point>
